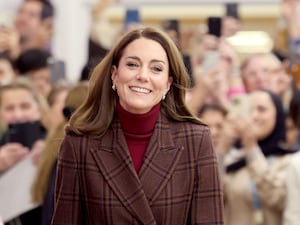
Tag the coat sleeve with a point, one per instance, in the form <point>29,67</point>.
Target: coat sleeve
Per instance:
<point>269,178</point>
<point>292,209</point>
<point>207,202</point>
<point>67,209</point>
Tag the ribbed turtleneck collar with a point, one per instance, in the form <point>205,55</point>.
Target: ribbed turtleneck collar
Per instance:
<point>138,123</point>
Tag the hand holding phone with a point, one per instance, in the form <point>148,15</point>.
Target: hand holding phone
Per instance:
<point>10,154</point>
<point>239,106</point>
<point>25,133</point>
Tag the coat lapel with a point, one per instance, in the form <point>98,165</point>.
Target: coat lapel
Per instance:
<point>160,160</point>
<point>117,168</point>
<point>138,192</point>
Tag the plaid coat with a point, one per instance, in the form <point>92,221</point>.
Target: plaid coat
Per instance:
<point>178,183</point>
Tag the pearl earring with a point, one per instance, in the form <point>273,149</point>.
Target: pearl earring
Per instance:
<point>114,87</point>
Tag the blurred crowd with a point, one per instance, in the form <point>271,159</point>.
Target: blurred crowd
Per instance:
<point>251,105</point>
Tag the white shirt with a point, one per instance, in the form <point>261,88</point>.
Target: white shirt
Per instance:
<point>292,210</point>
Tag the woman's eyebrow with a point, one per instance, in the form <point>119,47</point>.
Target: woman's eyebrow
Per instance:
<point>153,60</point>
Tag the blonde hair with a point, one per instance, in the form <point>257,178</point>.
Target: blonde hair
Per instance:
<point>25,84</point>
<point>273,61</point>
<point>74,99</point>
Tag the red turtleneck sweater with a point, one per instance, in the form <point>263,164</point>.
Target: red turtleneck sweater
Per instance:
<point>138,129</point>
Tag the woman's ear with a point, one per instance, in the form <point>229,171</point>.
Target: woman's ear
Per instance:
<point>113,72</point>
<point>170,81</point>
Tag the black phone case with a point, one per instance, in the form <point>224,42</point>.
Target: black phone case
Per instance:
<point>25,133</point>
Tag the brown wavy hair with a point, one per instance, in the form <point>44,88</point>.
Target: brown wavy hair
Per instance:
<point>96,114</point>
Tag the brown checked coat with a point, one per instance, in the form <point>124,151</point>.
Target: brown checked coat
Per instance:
<point>178,183</point>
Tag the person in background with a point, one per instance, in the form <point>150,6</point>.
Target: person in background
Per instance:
<point>215,82</point>
<point>21,104</point>
<point>56,101</point>
<point>43,186</point>
<point>34,64</point>
<point>216,71</point>
<point>213,115</point>
<point>133,153</point>
<point>102,36</point>
<point>292,209</point>
<point>264,70</point>
<point>290,9</point>
<point>292,133</point>
<point>32,28</point>
<point>231,22</point>
<point>255,162</point>
<point>172,28</point>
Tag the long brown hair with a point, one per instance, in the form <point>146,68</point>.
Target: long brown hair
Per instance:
<point>96,114</point>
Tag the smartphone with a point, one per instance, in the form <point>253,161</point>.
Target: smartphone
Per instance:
<point>232,10</point>
<point>132,18</point>
<point>57,70</point>
<point>239,106</point>
<point>25,133</point>
<point>210,61</point>
<point>214,26</point>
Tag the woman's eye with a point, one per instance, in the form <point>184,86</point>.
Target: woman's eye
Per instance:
<point>157,69</point>
<point>131,64</point>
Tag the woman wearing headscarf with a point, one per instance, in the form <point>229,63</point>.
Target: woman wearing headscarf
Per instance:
<point>254,172</point>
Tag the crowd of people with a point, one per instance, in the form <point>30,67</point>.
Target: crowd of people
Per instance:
<point>151,132</point>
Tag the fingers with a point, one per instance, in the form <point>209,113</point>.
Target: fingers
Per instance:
<point>10,154</point>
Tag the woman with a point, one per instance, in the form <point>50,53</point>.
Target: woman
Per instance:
<point>213,115</point>
<point>20,103</point>
<point>254,183</point>
<point>21,114</point>
<point>43,185</point>
<point>292,209</point>
<point>133,153</point>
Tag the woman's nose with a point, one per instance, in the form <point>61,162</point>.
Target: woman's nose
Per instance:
<point>143,74</point>
<point>17,115</point>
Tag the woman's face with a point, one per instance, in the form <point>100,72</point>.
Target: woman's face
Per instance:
<point>258,72</point>
<point>214,119</point>
<point>18,105</point>
<point>263,114</point>
<point>142,76</point>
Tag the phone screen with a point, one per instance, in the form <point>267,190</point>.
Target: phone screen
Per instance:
<point>132,17</point>
<point>25,133</point>
<point>57,70</point>
<point>214,26</point>
<point>239,105</point>
<point>232,10</point>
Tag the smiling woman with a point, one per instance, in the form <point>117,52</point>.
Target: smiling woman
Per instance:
<point>254,181</point>
<point>153,158</point>
<point>142,79</point>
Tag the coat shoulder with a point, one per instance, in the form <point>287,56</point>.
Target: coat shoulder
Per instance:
<point>188,126</point>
